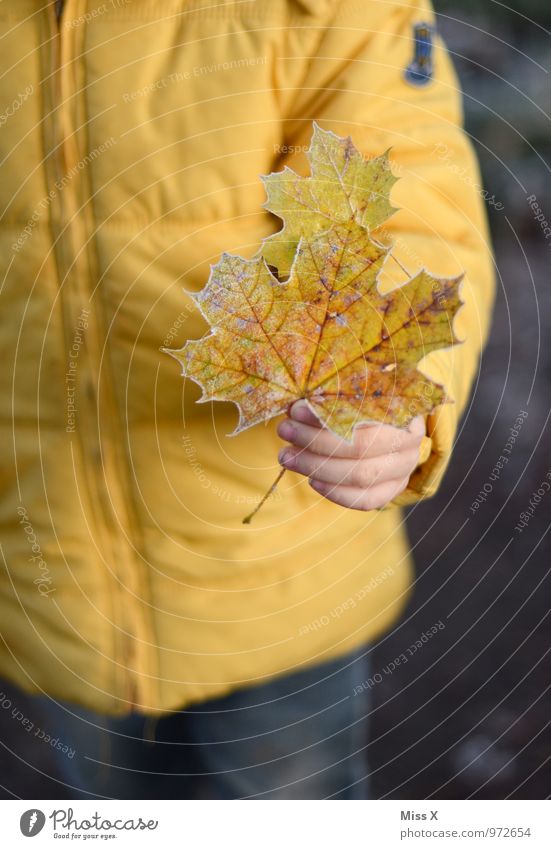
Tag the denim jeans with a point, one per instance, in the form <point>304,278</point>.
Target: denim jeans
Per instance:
<point>299,736</point>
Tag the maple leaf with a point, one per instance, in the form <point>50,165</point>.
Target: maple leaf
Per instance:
<point>343,188</point>
<point>326,335</point>
<point>321,330</point>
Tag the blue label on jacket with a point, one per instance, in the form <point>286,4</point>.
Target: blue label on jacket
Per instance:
<point>419,71</point>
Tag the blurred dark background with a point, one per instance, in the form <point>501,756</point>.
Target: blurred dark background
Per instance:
<point>469,714</point>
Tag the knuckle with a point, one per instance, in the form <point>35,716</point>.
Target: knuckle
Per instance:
<point>364,441</point>
<point>305,463</point>
<point>379,469</point>
<point>362,475</point>
<point>317,468</point>
<point>398,451</point>
<point>325,444</point>
<point>302,463</point>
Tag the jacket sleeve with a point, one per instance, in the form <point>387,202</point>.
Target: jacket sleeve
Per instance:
<point>354,83</point>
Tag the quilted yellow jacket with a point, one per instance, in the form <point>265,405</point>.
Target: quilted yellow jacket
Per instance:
<point>132,137</point>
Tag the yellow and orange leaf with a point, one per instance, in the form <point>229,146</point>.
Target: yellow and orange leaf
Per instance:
<point>344,188</point>
<point>326,335</point>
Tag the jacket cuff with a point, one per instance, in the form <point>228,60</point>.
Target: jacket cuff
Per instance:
<point>434,456</point>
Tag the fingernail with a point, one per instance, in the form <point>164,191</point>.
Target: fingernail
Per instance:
<point>286,457</point>
<point>300,411</point>
<point>286,430</point>
<point>317,485</point>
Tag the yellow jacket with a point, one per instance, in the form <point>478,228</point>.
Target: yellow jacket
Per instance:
<point>132,138</point>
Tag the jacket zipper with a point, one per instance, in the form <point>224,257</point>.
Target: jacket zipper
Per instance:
<point>72,303</point>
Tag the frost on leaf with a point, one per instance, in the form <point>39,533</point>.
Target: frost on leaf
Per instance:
<point>344,188</point>
<point>326,335</point>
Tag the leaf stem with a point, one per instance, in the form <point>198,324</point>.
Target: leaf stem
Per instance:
<point>247,520</point>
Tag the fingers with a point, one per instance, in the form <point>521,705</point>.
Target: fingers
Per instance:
<point>318,439</point>
<point>355,472</point>
<point>364,475</point>
<point>360,499</point>
<point>301,412</point>
<point>304,430</point>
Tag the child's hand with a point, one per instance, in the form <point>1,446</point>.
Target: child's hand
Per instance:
<point>365,475</point>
